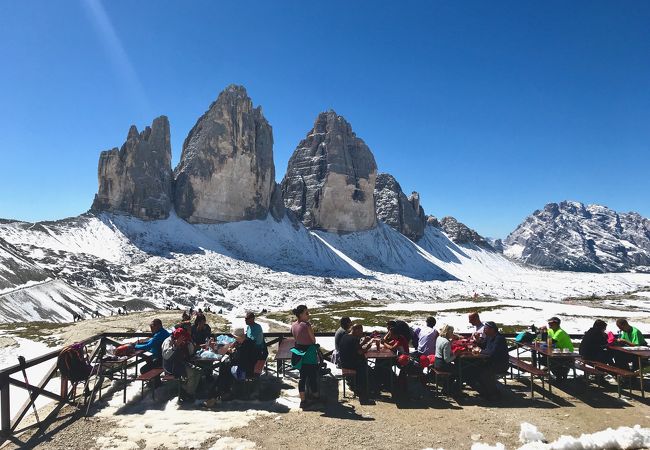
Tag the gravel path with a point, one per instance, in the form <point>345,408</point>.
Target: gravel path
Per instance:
<point>414,424</point>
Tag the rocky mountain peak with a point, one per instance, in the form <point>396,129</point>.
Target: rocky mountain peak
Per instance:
<point>137,178</point>
<point>330,178</point>
<point>396,210</point>
<point>226,172</point>
<point>461,233</point>
<point>574,236</point>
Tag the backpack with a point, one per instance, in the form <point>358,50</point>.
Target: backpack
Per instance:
<point>72,363</point>
<point>524,337</point>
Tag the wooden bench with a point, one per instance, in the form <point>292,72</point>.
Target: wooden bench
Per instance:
<point>523,366</point>
<point>148,377</point>
<point>345,373</point>
<point>619,373</point>
<point>284,354</point>
<point>437,373</point>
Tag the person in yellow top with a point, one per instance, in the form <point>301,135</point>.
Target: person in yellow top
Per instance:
<point>560,337</point>
<point>561,340</point>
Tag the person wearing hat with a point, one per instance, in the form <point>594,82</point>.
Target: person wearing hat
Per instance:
<point>560,337</point>
<point>561,340</point>
<point>243,356</point>
<point>496,350</point>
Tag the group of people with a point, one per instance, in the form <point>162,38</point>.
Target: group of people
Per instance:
<point>178,353</point>
<point>429,345</point>
<point>599,345</point>
<point>413,347</point>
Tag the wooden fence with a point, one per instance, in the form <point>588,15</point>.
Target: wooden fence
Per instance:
<point>97,345</point>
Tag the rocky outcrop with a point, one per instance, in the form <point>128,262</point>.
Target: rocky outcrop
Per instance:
<point>330,179</point>
<point>137,178</point>
<point>462,234</point>
<point>433,221</point>
<point>574,236</point>
<point>226,171</point>
<point>396,210</point>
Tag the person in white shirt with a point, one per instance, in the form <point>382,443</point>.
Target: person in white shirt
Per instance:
<point>427,338</point>
<point>479,329</point>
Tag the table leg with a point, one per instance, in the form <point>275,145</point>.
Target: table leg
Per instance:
<point>548,367</point>
<point>460,373</point>
<point>641,376</point>
<point>124,375</point>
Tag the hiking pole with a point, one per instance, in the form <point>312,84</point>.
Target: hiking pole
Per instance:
<point>98,380</point>
<point>32,394</point>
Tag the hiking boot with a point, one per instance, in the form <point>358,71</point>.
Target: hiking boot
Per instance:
<point>210,403</point>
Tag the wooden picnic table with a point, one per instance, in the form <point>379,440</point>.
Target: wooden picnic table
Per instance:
<point>283,354</point>
<point>468,359</point>
<point>553,356</point>
<point>109,368</point>
<point>641,353</point>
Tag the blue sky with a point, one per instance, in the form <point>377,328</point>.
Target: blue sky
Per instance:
<point>488,109</point>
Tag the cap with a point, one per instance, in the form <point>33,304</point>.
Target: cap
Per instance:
<point>238,332</point>
<point>490,324</point>
<point>554,319</point>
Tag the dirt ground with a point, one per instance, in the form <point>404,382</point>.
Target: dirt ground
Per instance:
<point>418,422</point>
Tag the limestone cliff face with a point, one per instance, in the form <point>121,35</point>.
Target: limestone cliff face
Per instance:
<point>330,179</point>
<point>137,178</point>
<point>402,213</point>
<point>226,172</point>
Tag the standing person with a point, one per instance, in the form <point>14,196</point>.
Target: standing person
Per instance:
<point>304,355</point>
<point>352,349</point>
<point>427,338</point>
<point>478,334</point>
<point>200,331</point>
<point>593,346</point>
<point>153,345</point>
<point>255,333</point>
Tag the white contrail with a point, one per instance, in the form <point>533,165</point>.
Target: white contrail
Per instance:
<point>121,62</point>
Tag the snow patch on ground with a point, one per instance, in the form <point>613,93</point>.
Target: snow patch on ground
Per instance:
<point>622,438</point>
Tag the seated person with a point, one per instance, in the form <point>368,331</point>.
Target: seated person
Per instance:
<point>352,349</point>
<point>495,348</point>
<point>593,346</point>
<point>243,356</point>
<point>255,333</point>
<point>200,331</point>
<point>478,333</point>
<point>629,336</point>
<point>395,340</point>
<point>427,339</point>
<point>561,340</point>
<point>345,324</point>
<point>153,345</point>
<point>177,350</point>
<point>403,329</point>
<point>444,356</point>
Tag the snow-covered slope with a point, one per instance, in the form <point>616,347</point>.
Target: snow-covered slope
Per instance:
<point>102,261</point>
<point>17,271</point>
<point>573,236</point>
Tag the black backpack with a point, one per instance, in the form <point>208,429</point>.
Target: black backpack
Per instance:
<point>72,363</point>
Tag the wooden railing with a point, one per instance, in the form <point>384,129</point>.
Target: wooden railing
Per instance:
<point>9,425</point>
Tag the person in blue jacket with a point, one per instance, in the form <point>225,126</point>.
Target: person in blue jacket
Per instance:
<point>153,345</point>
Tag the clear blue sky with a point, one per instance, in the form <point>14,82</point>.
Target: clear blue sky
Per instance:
<point>489,109</point>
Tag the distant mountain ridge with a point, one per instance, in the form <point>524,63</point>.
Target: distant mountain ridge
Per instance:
<point>574,236</point>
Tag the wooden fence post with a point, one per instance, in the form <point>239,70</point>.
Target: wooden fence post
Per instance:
<point>5,408</point>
